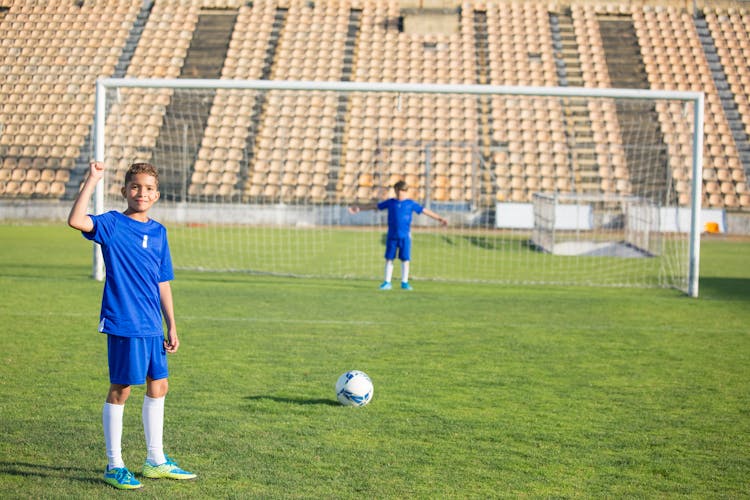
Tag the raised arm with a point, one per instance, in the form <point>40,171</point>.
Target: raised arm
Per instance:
<point>354,209</point>
<point>433,215</point>
<point>79,217</point>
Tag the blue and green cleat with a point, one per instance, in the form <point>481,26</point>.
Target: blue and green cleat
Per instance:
<point>168,469</point>
<point>121,478</point>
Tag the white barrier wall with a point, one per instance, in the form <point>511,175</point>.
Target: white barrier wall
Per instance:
<point>672,220</point>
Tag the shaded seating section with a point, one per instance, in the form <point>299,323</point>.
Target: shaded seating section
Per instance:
<point>530,151</point>
<point>388,137</point>
<point>51,54</point>
<point>730,29</point>
<point>674,59</point>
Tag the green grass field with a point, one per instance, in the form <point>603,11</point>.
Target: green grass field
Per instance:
<point>480,390</point>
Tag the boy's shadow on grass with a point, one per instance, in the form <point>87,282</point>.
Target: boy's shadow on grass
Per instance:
<point>296,401</point>
<point>49,471</point>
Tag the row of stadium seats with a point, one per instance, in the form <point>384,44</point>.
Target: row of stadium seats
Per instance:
<point>327,148</point>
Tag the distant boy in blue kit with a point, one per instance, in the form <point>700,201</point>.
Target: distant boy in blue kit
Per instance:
<point>136,294</point>
<point>400,211</point>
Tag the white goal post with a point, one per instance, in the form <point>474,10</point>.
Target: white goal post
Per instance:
<point>256,175</point>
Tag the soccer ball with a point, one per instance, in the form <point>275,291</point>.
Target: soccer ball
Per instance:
<point>354,388</point>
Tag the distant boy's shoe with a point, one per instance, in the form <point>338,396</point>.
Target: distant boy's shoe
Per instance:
<point>406,286</point>
<point>168,469</point>
<point>385,285</point>
<point>121,478</point>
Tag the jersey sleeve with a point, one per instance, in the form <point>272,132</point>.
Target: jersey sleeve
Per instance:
<point>103,228</point>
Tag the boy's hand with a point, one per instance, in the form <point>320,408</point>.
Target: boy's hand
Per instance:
<point>96,170</point>
<point>172,342</point>
<point>354,209</point>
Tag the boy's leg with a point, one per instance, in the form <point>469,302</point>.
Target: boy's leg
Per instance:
<point>121,352</point>
<point>388,275</point>
<point>112,415</point>
<point>405,256</point>
<point>157,463</point>
<point>153,428</point>
<point>157,386</point>
<point>391,246</point>
<point>114,407</point>
<point>116,474</point>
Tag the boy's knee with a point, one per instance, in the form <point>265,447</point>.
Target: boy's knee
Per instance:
<point>118,394</point>
<point>157,388</point>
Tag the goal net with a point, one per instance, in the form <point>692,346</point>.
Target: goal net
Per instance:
<point>257,177</point>
<point>592,225</point>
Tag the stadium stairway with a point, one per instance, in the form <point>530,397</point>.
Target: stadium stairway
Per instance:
<point>204,59</point>
<point>134,36</point>
<point>566,49</point>
<point>578,130</point>
<point>726,96</point>
<point>627,70</point>
<point>342,107</point>
<point>485,120</point>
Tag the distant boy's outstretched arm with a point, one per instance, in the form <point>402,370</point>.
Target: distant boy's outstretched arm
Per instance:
<point>354,209</point>
<point>430,213</point>
<point>79,217</point>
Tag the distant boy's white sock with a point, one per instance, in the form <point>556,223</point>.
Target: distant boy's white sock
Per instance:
<point>405,271</point>
<point>112,422</point>
<point>388,271</point>
<point>153,428</point>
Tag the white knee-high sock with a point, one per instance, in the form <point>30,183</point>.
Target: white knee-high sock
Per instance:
<point>112,422</point>
<point>405,271</point>
<point>388,271</point>
<point>153,428</point>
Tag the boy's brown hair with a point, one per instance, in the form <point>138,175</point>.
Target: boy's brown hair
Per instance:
<point>400,186</point>
<point>141,168</point>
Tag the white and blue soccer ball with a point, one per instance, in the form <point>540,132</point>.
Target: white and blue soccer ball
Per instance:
<point>354,388</point>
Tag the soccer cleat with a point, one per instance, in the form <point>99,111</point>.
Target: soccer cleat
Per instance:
<point>121,478</point>
<point>385,286</point>
<point>168,469</point>
<point>406,286</point>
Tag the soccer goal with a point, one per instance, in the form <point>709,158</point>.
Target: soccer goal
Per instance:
<point>571,186</point>
<point>596,225</point>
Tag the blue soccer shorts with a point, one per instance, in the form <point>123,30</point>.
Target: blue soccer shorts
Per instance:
<point>132,359</point>
<point>403,245</point>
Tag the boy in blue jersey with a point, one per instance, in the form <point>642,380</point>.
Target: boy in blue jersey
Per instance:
<point>136,295</point>
<point>398,240</point>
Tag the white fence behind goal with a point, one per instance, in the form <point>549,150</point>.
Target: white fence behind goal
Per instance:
<point>256,176</point>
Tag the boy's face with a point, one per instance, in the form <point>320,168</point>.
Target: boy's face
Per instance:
<point>401,194</point>
<point>141,193</point>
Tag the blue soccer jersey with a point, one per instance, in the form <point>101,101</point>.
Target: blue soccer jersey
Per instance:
<point>137,259</point>
<point>399,216</point>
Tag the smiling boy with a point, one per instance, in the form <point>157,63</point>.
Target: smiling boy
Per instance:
<point>137,294</point>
